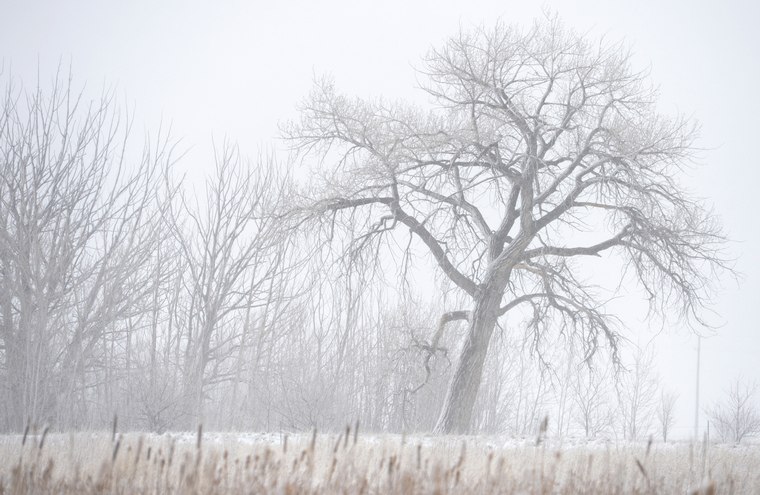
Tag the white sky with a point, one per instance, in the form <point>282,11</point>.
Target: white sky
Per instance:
<point>236,69</point>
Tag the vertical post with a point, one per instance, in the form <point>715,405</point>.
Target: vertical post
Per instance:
<point>696,404</point>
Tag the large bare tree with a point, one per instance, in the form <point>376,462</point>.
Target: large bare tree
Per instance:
<point>540,148</point>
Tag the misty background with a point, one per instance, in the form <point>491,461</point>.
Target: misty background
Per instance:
<point>231,73</point>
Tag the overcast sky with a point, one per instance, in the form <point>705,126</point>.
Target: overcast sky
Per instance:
<point>236,69</point>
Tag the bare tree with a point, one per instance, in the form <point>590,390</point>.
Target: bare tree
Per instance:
<point>594,404</point>
<point>666,412</point>
<point>637,395</point>
<point>738,415</point>
<point>542,149</point>
<point>230,241</point>
<point>79,224</point>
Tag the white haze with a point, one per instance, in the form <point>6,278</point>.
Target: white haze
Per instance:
<point>237,69</point>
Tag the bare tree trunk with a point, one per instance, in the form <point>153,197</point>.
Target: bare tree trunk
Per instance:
<point>463,390</point>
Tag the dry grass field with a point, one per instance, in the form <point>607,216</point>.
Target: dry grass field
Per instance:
<point>90,463</point>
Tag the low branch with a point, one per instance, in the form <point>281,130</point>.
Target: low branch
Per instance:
<point>433,347</point>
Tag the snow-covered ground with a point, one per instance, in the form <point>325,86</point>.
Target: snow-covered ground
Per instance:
<point>235,462</point>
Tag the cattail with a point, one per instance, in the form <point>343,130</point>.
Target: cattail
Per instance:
<point>641,468</point>
<point>313,440</point>
<point>462,455</point>
<point>47,474</point>
<point>542,430</point>
<point>44,435</point>
<point>114,427</point>
<point>26,432</point>
<point>337,443</point>
<point>139,449</point>
<point>116,449</point>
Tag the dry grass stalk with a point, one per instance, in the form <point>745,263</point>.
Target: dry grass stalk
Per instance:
<point>316,464</point>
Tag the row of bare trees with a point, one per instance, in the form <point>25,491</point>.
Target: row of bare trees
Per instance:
<point>123,291</point>
<point>79,227</point>
<point>267,302</point>
<point>116,286</point>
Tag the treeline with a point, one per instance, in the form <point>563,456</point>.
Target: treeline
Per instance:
<point>125,291</point>
<point>122,291</point>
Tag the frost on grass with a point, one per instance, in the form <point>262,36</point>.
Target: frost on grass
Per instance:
<point>351,463</point>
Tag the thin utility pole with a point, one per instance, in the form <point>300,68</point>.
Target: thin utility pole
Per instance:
<point>696,405</point>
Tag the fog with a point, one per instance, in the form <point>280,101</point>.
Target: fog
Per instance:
<point>280,218</point>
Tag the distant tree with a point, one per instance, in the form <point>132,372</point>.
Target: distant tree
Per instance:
<point>666,412</point>
<point>230,242</point>
<point>542,148</point>
<point>738,415</point>
<point>594,404</point>
<point>637,395</point>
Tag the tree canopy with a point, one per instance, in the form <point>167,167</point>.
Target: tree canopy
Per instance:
<point>541,146</point>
